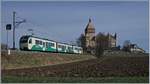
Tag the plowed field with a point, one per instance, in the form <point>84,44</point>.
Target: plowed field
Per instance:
<point>114,66</point>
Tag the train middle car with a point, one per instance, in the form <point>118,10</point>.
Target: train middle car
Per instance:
<point>39,44</point>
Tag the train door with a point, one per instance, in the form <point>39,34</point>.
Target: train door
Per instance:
<point>30,43</point>
<point>44,46</point>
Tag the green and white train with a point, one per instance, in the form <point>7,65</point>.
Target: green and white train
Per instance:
<point>32,43</point>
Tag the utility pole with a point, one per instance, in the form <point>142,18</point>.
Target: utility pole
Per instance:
<point>14,25</point>
<point>8,27</point>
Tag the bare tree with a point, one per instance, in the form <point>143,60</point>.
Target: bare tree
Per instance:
<point>100,44</point>
<point>81,41</point>
<point>126,45</point>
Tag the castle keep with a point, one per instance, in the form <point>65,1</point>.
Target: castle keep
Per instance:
<point>90,35</point>
<point>90,38</point>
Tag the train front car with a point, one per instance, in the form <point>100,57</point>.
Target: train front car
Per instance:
<point>24,43</point>
<point>37,44</point>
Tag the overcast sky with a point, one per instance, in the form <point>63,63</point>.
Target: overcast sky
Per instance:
<point>65,21</point>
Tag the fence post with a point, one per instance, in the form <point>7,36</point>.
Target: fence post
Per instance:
<point>8,51</point>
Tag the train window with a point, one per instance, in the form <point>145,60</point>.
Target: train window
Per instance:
<point>24,40</point>
<point>52,44</point>
<point>46,44</point>
<point>76,48</point>
<point>37,42</point>
<point>59,46</point>
<point>43,43</point>
<point>30,41</point>
<point>40,42</point>
<point>63,47</point>
<point>70,48</point>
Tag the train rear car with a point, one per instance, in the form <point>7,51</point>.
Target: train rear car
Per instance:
<point>77,50</point>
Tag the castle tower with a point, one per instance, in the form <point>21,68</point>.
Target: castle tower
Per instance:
<point>111,40</point>
<point>90,35</point>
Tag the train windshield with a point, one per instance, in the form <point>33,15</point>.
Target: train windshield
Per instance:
<point>24,39</point>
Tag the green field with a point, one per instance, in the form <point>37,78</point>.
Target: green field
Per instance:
<point>14,79</point>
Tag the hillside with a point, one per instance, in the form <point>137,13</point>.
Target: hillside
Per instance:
<point>102,67</point>
<point>108,68</point>
<point>26,59</point>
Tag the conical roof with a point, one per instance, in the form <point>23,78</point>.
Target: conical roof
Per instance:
<point>90,27</point>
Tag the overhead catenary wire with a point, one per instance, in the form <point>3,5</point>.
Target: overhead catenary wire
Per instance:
<point>37,30</point>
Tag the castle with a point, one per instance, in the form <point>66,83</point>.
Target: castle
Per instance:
<point>90,38</point>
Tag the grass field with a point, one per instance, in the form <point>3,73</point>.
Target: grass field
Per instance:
<point>14,79</point>
<point>24,59</point>
<point>107,69</point>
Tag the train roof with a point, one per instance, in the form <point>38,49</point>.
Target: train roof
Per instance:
<point>37,37</point>
<point>47,39</point>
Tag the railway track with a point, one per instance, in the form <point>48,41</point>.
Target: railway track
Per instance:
<point>35,52</point>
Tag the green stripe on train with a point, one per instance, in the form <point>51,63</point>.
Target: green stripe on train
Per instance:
<point>70,50</point>
<point>50,49</point>
<point>66,50</point>
<point>37,47</point>
<point>61,50</point>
